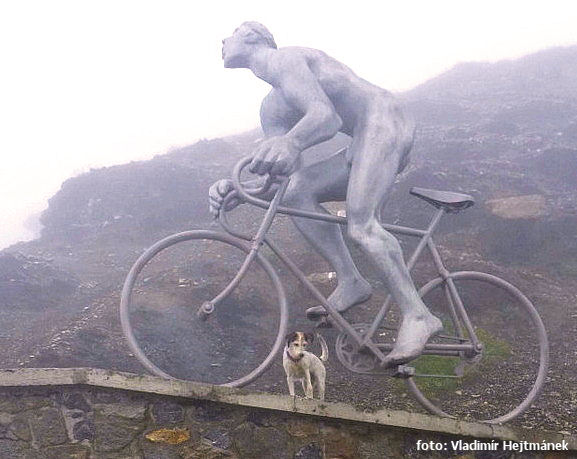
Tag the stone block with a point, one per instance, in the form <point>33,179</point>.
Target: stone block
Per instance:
<point>338,442</point>
<point>166,412</point>
<point>376,447</point>
<point>17,403</point>
<point>6,418</point>
<point>47,427</point>
<point>11,449</point>
<point>310,451</point>
<point>302,428</point>
<point>209,412</point>
<point>266,418</point>
<point>130,409</point>
<point>72,401</point>
<point>20,428</point>
<point>6,434</point>
<point>218,438</point>
<point>159,451</point>
<point>113,433</point>
<point>65,451</point>
<point>205,450</point>
<point>83,430</point>
<point>251,440</point>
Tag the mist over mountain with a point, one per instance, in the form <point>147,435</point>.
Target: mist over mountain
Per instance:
<point>504,132</point>
<point>507,132</point>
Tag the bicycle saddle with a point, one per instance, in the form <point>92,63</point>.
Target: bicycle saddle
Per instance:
<point>451,202</point>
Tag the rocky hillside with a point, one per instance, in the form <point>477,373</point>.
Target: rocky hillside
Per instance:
<point>504,132</point>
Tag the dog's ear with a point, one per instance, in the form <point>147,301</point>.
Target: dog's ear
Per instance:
<point>290,337</point>
<point>310,337</point>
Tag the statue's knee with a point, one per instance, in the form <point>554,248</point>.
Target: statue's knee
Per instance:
<point>359,232</point>
<point>370,232</point>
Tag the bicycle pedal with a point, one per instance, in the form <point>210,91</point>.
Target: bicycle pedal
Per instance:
<point>324,322</point>
<point>316,313</point>
<point>403,372</point>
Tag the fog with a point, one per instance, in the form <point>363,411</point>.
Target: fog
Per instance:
<point>91,84</point>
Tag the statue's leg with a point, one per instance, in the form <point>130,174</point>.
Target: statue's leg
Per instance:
<point>322,182</point>
<point>377,153</point>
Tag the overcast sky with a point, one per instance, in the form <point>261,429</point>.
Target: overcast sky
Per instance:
<point>94,83</point>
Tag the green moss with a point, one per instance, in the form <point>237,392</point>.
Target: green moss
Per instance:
<point>495,349</point>
<point>436,365</point>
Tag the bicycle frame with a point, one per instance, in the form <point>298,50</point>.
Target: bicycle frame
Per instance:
<point>468,346</point>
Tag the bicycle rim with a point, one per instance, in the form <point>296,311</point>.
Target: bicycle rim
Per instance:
<point>161,296</point>
<point>505,379</point>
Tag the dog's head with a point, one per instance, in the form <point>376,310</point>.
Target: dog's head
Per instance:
<point>297,343</point>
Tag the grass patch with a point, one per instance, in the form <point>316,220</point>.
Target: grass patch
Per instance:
<point>495,349</point>
<point>436,365</point>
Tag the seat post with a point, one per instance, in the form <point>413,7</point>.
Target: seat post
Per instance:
<point>435,221</point>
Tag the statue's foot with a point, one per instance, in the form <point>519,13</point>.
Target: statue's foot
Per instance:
<point>414,333</point>
<point>344,297</point>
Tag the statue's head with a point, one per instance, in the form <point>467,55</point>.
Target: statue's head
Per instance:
<point>244,41</point>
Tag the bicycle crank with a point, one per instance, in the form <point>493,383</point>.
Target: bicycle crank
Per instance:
<point>357,360</point>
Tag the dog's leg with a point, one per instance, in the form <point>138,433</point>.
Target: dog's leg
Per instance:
<point>309,385</point>
<point>291,385</point>
<point>320,383</point>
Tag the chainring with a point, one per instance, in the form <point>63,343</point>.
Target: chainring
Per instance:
<point>357,361</point>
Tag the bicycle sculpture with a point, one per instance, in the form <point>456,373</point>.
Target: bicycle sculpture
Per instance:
<point>457,331</point>
<point>512,349</point>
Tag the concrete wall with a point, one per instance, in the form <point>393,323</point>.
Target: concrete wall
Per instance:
<point>87,413</point>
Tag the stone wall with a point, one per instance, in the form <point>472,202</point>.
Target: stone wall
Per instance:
<point>74,413</point>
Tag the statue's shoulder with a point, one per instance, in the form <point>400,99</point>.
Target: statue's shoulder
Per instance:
<point>294,54</point>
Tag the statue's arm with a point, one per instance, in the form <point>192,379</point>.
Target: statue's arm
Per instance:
<point>275,121</point>
<point>297,91</point>
<point>300,89</point>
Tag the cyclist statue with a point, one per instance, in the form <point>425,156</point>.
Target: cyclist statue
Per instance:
<point>314,97</point>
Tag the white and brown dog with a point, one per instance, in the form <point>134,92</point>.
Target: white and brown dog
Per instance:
<point>300,364</point>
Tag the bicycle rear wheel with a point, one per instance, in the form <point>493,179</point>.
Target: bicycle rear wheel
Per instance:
<point>161,297</point>
<point>502,381</point>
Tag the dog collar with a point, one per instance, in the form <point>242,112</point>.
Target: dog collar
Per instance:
<point>292,358</point>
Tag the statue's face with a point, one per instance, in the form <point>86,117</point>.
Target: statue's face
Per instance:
<point>235,50</point>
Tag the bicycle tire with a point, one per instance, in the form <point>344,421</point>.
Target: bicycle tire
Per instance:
<point>505,340</point>
<point>128,293</point>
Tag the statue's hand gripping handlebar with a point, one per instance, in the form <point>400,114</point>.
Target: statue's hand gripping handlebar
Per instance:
<point>249,194</point>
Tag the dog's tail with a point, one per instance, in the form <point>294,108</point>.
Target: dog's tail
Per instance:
<point>325,349</point>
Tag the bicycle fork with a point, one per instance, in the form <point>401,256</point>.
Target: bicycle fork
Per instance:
<point>207,307</point>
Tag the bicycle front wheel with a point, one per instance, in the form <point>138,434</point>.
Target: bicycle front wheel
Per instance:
<point>161,297</point>
<point>504,379</point>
